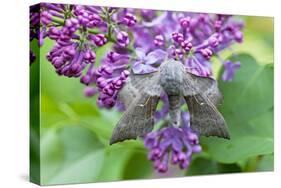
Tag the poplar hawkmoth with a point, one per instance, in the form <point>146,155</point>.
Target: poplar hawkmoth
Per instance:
<point>141,94</point>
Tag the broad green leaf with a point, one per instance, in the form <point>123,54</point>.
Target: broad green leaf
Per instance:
<point>78,141</point>
<point>71,154</point>
<point>34,154</point>
<point>84,170</point>
<point>115,160</point>
<point>265,163</point>
<point>51,114</point>
<point>205,166</point>
<point>258,163</point>
<point>250,93</point>
<point>248,111</point>
<point>34,76</point>
<point>263,125</point>
<point>138,167</point>
<point>52,156</point>
<point>238,148</point>
<point>228,168</point>
<point>201,166</point>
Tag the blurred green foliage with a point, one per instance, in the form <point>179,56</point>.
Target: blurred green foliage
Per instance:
<point>74,132</point>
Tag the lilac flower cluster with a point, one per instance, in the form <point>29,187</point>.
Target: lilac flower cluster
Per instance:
<point>70,55</point>
<point>172,144</point>
<point>79,32</point>
<point>101,45</point>
<point>110,77</point>
<point>191,38</point>
<point>34,28</point>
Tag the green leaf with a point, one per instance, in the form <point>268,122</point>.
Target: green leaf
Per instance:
<point>138,167</point>
<point>263,125</point>
<point>72,154</point>
<point>115,160</point>
<point>228,168</point>
<point>238,148</point>
<point>78,142</point>
<point>84,170</point>
<point>258,163</point>
<point>250,93</point>
<point>200,166</point>
<point>51,152</point>
<point>266,163</point>
<point>203,166</point>
<point>248,111</point>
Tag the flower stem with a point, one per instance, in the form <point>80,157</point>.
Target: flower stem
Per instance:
<point>57,20</point>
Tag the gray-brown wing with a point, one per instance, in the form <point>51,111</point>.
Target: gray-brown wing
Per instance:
<point>205,118</point>
<point>193,85</point>
<point>213,93</point>
<point>202,96</point>
<point>134,84</point>
<point>138,119</point>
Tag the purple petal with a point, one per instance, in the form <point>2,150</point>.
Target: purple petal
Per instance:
<point>140,68</point>
<point>199,68</point>
<point>155,56</point>
<point>150,140</point>
<point>229,70</point>
<point>140,53</point>
<point>156,21</point>
<point>185,116</point>
<point>177,144</point>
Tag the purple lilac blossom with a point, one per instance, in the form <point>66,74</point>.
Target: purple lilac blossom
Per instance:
<point>129,19</point>
<point>137,40</point>
<point>195,41</point>
<point>122,38</point>
<point>87,17</point>
<point>79,31</point>
<point>229,70</point>
<point>110,77</point>
<point>173,145</point>
<point>34,29</point>
<point>147,63</point>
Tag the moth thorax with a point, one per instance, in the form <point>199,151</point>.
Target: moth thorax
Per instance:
<point>171,78</point>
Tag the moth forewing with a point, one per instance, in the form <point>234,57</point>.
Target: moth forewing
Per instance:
<point>138,119</point>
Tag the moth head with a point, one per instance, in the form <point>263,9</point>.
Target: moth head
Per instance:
<point>172,61</point>
<point>172,64</point>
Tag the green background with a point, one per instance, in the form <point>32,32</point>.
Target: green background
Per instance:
<point>74,133</point>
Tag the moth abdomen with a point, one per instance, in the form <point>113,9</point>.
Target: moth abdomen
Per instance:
<point>174,109</point>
